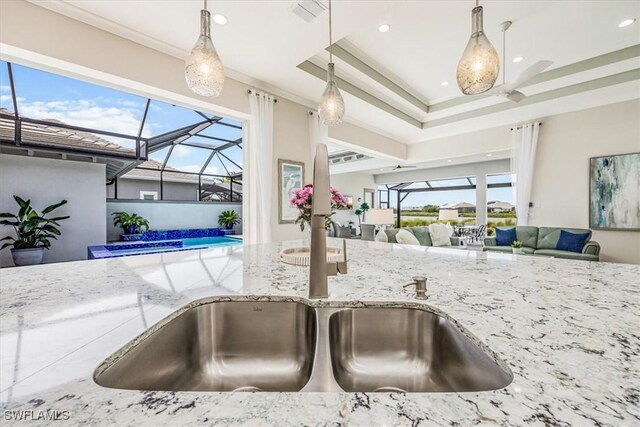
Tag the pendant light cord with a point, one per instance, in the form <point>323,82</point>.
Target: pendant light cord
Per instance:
<point>504,53</point>
<point>205,4</point>
<point>330,36</point>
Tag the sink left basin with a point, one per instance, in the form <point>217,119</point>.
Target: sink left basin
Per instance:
<point>222,346</point>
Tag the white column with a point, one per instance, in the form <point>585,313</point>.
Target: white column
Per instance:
<point>481,199</point>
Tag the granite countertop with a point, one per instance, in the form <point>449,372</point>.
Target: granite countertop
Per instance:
<point>568,330</point>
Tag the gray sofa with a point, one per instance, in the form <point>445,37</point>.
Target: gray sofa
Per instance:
<point>543,240</point>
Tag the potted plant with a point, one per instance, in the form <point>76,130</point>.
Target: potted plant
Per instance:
<point>228,219</point>
<point>34,231</point>
<point>131,224</point>
<point>516,247</point>
<point>361,211</point>
<point>350,224</point>
<point>303,200</point>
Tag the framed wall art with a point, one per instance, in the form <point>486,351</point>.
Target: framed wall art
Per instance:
<point>614,192</point>
<point>290,178</point>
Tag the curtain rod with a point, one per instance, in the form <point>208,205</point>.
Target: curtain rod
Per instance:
<point>249,91</point>
<point>520,127</point>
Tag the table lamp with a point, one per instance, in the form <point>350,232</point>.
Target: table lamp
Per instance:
<point>380,217</point>
<point>448,215</point>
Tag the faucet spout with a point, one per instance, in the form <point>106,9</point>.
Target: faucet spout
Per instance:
<point>321,208</point>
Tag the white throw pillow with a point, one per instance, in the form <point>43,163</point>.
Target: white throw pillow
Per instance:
<point>405,237</point>
<point>382,237</point>
<point>439,235</point>
<point>449,229</point>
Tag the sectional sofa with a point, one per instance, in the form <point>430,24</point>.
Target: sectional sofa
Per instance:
<point>543,241</point>
<point>421,233</point>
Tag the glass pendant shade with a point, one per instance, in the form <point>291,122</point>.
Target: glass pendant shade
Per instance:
<point>331,109</point>
<point>479,66</point>
<point>203,69</point>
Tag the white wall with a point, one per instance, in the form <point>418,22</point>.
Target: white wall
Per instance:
<point>169,215</point>
<point>48,181</point>
<point>561,179</point>
<point>352,184</point>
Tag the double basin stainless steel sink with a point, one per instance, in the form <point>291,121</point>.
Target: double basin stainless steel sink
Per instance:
<point>289,346</point>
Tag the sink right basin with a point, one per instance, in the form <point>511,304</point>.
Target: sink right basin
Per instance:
<point>409,350</point>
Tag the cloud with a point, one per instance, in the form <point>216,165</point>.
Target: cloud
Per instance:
<point>4,88</point>
<point>181,151</point>
<point>196,168</point>
<point>85,113</point>
<point>4,98</point>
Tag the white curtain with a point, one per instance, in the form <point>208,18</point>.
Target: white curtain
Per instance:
<point>523,156</point>
<point>258,173</point>
<point>318,133</point>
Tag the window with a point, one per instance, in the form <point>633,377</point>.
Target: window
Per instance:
<point>148,195</point>
<point>420,202</point>
<point>501,209</point>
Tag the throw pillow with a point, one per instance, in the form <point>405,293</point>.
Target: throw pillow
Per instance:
<point>505,236</point>
<point>449,229</point>
<point>573,242</point>
<point>405,237</point>
<point>382,237</point>
<point>439,235</point>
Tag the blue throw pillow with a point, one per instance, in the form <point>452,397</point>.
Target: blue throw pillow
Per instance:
<point>571,241</point>
<point>505,236</point>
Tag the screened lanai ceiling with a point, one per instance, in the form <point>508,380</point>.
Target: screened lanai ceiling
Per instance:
<point>45,112</point>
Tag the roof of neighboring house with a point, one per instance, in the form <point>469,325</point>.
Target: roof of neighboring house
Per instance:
<point>56,137</point>
<point>461,205</point>
<point>497,204</point>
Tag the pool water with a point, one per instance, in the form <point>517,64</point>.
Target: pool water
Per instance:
<point>210,241</point>
<point>118,250</point>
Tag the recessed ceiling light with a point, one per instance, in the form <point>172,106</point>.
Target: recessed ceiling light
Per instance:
<point>626,22</point>
<point>384,28</point>
<point>444,84</point>
<point>219,19</point>
<point>449,161</point>
<point>489,155</point>
<point>518,59</point>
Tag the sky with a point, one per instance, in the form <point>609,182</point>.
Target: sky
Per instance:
<point>43,95</point>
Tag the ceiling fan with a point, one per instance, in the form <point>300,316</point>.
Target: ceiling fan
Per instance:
<point>509,90</point>
<point>402,167</point>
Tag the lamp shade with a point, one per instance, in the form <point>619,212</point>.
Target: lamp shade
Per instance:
<point>380,216</point>
<point>448,215</point>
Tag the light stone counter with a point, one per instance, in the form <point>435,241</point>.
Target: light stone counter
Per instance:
<point>569,331</point>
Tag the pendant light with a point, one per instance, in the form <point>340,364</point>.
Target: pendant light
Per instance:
<point>331,108</point>
<point>203,69</point>
<point>479,66</point>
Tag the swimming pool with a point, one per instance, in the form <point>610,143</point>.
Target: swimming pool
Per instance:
<point>140,248</point>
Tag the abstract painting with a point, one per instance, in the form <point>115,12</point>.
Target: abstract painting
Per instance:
<point>290,177</point>
<point>614,192</point>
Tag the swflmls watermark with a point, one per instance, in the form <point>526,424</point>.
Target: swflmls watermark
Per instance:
<point>31,415</point>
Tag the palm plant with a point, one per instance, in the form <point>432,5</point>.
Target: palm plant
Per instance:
<point>130,223</point>
<point>33,230</point>
<point>364,207</point>
<point>228,219</point>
